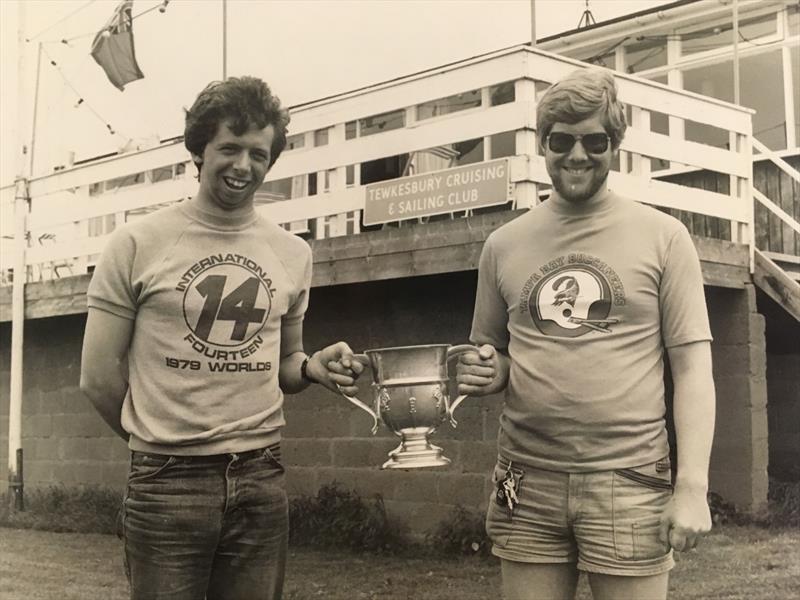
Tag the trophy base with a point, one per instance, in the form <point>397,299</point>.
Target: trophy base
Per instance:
<point>415,452</point>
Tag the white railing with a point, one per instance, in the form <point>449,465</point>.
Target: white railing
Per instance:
<point>61,204</point>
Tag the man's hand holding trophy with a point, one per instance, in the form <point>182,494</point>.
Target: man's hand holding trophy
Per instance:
<point>411,398</point>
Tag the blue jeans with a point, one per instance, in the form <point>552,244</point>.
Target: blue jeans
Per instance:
<point>213,527</point>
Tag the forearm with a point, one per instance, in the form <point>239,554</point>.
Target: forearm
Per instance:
<point>694,408</point>
<point>289,376</point>
<point>107,397</point>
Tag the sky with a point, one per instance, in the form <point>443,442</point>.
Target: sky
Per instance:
<point>304,49</point>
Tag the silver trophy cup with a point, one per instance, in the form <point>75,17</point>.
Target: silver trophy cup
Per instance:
<point>411,399</point>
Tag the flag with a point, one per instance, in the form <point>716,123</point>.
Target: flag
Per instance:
<point>112,47</point>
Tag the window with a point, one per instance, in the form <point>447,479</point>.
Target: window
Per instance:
<point>350,175</point>
<point>450,104</point>
<point>469,151</point>
<point>350,130</point>
<point>312,184</point>
<point>794,52</point>
<point>180,169</point>
<point>504,144</point>
<point>96,188</point>
<point>793,20</point>
<point>644,55</point>
<point>382,169</point>
<point>102,225</point>
<point>607,60</point>
<point>756,73</point>
<point>321,137</point>
<point>124,181</point>
<point>382,122</point>
<point>293,142</point>
<point>274,191</point>
<point>711,38</point>
<point>161,174</point>
<point>502,93</point>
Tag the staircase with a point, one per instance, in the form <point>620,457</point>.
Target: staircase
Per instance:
<point>776,273</point>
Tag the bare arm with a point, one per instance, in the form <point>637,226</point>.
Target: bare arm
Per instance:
<point>104,365</point>
<point>694,407</point>
<point>330,367</point>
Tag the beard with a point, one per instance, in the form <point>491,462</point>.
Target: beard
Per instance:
<point>578,192</point>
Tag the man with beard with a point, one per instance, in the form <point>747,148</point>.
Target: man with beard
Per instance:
<point>194,333</point>
<point>576,303</point>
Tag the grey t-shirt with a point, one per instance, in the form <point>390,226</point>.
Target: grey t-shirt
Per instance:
<point>586,299</point>
<point>208,296</point>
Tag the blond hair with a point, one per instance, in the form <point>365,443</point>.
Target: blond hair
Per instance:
<point>581,95</point>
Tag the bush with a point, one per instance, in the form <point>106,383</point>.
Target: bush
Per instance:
<point>337,518</point>
<point>463,533</point>
<point>60,509</point>
<point>783,508</point>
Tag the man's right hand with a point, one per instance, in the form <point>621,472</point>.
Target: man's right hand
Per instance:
<point>483,372</point>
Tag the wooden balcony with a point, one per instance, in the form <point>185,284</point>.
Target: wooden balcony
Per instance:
<point>722,218</point>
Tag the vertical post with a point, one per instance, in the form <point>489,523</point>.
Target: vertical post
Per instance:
<point>533,23</point>
<point>736,92</point>
<point>15,482</point>
<point>224,40</point>
<point>35,105</point>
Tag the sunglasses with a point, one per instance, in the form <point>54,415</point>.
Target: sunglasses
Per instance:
<point>593,143</point>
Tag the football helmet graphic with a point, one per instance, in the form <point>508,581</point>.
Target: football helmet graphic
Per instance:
<point>572,301</point>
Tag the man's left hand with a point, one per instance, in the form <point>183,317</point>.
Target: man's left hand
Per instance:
<point>686,519</point>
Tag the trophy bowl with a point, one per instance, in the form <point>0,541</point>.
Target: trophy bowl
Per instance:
<point>411,399</point>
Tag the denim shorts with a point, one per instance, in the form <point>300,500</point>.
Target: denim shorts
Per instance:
<point>605,522</point>
<point>198,527</point>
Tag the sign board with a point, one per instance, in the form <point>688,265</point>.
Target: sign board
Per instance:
<point>438,192</point>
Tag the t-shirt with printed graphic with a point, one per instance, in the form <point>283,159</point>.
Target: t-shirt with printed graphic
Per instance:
<point>586,299</point>
<point>208,296</point>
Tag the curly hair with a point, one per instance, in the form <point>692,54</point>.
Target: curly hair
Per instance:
<point>242,102</point>
<point>581,95</point>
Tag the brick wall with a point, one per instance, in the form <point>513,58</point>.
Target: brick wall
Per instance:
<point>327,439</point>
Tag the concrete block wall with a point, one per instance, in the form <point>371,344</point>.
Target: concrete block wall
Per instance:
<point>739,457</point>
<point>327,439</point>
<point>64,440</point>
<point>783,387</point>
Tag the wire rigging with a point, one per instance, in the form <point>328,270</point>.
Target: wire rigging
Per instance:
<point>81,99</point>
<point>161,7</point>
<point>61,20</point>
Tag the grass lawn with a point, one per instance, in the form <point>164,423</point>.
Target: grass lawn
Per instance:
<point>745,563</point>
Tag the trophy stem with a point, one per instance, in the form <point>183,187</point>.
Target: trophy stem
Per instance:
<point>415,451</point>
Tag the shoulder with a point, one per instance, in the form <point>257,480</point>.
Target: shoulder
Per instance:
<point>651,216</point>
<point>155,223</point>
<point>509,234</point>
<point>282,239</point>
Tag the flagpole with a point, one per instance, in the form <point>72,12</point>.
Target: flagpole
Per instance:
<point>533,23</point>
<point>224,40</point>
<point>35,105</point>
<point>21,203</point>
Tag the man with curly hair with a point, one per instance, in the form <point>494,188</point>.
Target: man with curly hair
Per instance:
<point>577,302</point>
<point>193,335</point>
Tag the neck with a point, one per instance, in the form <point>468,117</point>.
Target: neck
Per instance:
<point>205,203</point>
<point>600,198</point>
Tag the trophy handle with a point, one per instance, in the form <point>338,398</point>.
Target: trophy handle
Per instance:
<point>364,360</point>
<point>451,353</point>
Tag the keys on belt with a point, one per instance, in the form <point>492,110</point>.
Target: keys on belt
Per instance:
<point>506,494</point>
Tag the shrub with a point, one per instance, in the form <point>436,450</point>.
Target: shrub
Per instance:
<point>88,509</point>
<point>337,518</point>
<point>463,533</point>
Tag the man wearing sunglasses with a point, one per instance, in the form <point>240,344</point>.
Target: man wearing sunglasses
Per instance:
<point>577,302</point>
